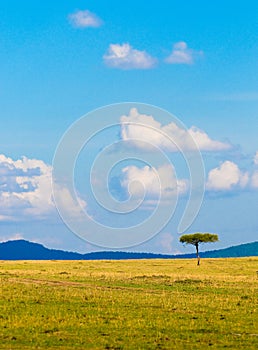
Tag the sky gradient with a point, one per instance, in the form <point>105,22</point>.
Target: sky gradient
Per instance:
<point>197,60</point>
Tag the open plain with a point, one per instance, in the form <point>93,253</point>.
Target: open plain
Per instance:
<point>134,304</point>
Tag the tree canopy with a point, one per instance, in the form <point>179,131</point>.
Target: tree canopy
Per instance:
<point>197,238</point>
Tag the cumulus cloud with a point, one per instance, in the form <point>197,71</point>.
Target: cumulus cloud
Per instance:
<point>181,54</point>
<point>84,19</point>
<point>124,56</point>
<point>73,207</point>
<point>26,189</point>
<point>227,177</point>
<point>156,182</point>
<point>25,185</point>
<point>146,128</point>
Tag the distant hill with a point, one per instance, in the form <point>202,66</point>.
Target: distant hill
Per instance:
<point>242,250</point>
<point>24,250</point>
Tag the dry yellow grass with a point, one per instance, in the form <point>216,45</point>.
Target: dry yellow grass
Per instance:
<point>135,304</point>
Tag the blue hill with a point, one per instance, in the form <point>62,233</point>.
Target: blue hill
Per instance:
<point>24,250</point>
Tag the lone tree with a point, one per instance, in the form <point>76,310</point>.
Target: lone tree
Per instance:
<point>197,238</point>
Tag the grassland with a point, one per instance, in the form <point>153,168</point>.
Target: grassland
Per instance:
<point>142,304</point>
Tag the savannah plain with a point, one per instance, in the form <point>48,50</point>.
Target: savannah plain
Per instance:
<point>133,304</point>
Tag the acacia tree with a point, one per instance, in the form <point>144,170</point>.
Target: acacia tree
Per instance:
<point>197,238</point>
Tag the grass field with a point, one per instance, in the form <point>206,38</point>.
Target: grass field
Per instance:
<point>136,304</point>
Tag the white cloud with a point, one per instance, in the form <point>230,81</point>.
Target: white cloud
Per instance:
<point>205,143</point>
<point>227,177</point>
<point>181,54</point>
<point>25,186</point>
<point>26,190</point>
<point>124,56</point>
<point>147,129</point>
<point>68,204</point>
<point>157,182</point>
<point>84,19</point>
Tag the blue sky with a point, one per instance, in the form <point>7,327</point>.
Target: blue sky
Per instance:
<point>60,60</point>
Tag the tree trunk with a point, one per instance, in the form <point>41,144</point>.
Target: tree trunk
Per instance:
<point>197,254</point>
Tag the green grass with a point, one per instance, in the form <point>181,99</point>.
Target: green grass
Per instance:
<point>136,304</point>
